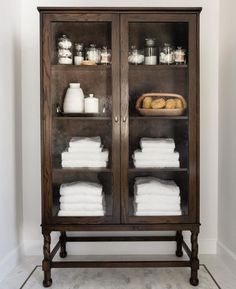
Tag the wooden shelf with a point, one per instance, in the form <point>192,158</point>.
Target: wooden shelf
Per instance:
<point>139,117</point>
<point>82,118</point>
<point>65,67</point>
<point>137,170</point>
<point>157,67</point>
<point>80,170</point>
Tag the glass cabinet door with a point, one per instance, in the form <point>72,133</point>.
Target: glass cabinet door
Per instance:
<point>159,147</point>
<point>81,174</point>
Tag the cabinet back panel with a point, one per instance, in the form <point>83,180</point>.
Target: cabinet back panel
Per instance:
<point>180,178</point>
<point>178,130</point>
<point>64,130</point>
<point>97,82</point>
<point>176,34</point>
<point>98,33</point>
<point>61,177</point>
<point>164,80</point>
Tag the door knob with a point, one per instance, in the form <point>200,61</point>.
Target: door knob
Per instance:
<point>124,119</point>
<point>116,118</point>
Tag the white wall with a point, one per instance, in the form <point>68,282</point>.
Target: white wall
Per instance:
<point>31,108</point>
<point>227,133</point>
<point>10,127</point>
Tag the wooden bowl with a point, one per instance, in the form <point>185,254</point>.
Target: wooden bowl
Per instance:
<point>161,111</point>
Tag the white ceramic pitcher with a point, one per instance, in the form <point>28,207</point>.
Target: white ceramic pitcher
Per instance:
<point>74,99</point>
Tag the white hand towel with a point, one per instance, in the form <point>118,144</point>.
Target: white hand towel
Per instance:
<point>87,199</point>
<point>88,149</point>
<point>158,213</point>
<point>158,150</point>
<point>81,188</point>
<point>83,156</point>
<point>85,142</point>
<point>147,199</point>
<point>157,207</point>
<point>156,164</point>
<point>151,156</point>
<point>80,213</point>
<point>84,164</point>
<point>157,143</point>
<point>81,207</point>
<point>148,182</point>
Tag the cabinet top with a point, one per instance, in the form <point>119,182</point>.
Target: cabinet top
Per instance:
<point>120,9</point>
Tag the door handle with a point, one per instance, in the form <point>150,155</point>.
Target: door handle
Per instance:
<point>124,119</point>
<point>116,118</point>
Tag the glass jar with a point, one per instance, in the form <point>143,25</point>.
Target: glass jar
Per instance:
<point>79,57</point>
<point>65,55</point>
<point>136,56</point>
<point>180,55</point>
<point>64,42</point>
<point>150,52</point>
<point>93,54</point>
<point>167,54</point>
<point>105,55</point>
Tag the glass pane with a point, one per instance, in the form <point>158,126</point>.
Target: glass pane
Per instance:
<point>162,163</point>
<point>82,166</point>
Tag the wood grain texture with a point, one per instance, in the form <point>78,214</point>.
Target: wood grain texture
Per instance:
<point>118,86</point>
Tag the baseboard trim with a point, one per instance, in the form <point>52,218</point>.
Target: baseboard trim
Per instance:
<point>9,262</point>
<point>206,246</point>
<point>228,257</point>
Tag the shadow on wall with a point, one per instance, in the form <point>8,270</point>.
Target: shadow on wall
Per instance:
<point>18,140</point>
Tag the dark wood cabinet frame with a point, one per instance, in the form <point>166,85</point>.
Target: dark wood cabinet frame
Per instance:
<point>121,119</point>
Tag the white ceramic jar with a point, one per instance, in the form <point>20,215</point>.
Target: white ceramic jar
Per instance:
<point>91,104</point>
<point>74,99</point>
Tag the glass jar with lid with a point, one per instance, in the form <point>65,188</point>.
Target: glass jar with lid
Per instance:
<point>150,52</point>
<point>93,54</point>
<point>136,56</point>
<point>167,54</point>
<point>180,55</point>
<point>65,55</point>
<point>105,55</point>
<point>79,57</point>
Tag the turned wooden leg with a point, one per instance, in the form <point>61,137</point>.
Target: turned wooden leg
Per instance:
<point>47,282</point>
<point>63,252</point>
<point>194,258</point>
<point>179,242</point>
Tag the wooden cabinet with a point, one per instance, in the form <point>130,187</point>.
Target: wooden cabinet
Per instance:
<point>120,126</point>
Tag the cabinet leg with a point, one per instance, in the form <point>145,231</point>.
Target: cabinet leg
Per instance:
<point>194,258</point>
<point>47,282</point>
<point>179,242</point>
<point>63,252</point>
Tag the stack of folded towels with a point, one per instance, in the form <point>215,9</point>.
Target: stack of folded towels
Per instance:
<point>85,152</point>
<point>81,199</point>
<point>156,152</point>
<point>155,197</point>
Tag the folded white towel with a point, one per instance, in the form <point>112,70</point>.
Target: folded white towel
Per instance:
<point>158,150</point>
<point>86,149</point>
<point>80,213</point>
<point>157,143</point>
<point>86,199</point>
<point>158,213</point>
<point>156,164</point>
<point>84,164</point>
<point>158,199</point>
<point>81,207</point>
<point>152,156</point>
<point>85,142</point>
<point>140,207</point>
<point>85,156</point>
<point>81,188</point>
<point>155,186</point>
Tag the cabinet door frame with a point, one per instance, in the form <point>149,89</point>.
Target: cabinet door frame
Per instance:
<point>193,106</point>
<point>46,115</point>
